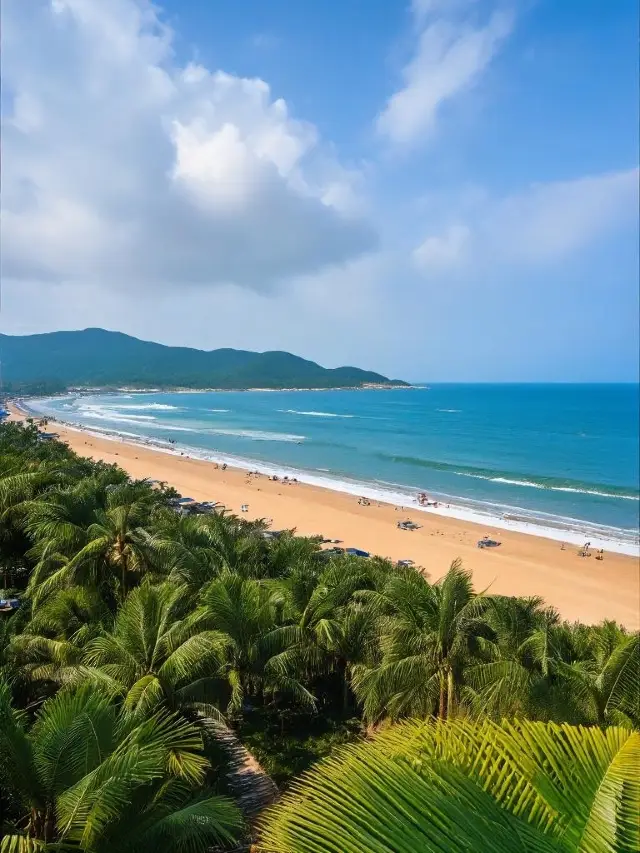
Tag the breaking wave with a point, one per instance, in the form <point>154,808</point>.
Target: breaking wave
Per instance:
<point>314,414</point>
<point>554,484</point>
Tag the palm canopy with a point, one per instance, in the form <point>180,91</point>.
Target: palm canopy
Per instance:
<point>93,534</point>
<point>48,651</point>
<point>90,779</point>
<point>457,786</point>
<point>605,686</point>
<point>158,652</point>
<point>197,549</point>
<point>324,629</point>
<point>428,635</point>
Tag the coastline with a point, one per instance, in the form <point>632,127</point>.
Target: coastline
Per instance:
<point>526,563</point>
<point>560,528</point>
<point>181,389</point>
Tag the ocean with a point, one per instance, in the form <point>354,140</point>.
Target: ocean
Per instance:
<point>557,460</point>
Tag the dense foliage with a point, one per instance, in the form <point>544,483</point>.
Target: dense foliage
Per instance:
<point>96,357</point>
<point>152,650</point>
<point>523,787</point>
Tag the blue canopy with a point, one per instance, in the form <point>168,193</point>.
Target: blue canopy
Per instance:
<point>356,552</point>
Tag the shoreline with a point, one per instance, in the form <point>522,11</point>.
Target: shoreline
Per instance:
<point>526,563</point>
<point>181,389</point>
<point>561,529</point>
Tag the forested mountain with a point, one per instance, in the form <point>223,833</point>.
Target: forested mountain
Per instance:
<point>96,357</point>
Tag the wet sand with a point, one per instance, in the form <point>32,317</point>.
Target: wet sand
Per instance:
<point>581,588</point>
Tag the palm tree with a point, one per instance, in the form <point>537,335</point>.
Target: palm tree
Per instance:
<point>429,633</point>
<point>325,631</point>
<point>22,481</point>
<point>81,541</point>
<point>548,670</point>
<point>190,546</point>
<point>48,652</point>
<point>244,612</point>
<point>86,778</point>
<point>160,654</point>
<point>513,675</point>
<point>523,787</point>
<point>604,684</point>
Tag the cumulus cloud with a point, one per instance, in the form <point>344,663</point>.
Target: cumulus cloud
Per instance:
<point>439,251</point>
<point>541,225</point>
<point>451,53</point>
<point>123,167</point>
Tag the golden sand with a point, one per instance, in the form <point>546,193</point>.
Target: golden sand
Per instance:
<point>581,588</point>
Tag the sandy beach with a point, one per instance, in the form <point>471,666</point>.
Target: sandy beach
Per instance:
<point>582,589</point>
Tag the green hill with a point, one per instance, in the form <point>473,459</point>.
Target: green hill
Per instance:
<point>96,357</point>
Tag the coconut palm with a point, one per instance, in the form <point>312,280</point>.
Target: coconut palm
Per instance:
<point>160,654</point>
<point>189,546</point>
<point>22,482</point>
<point>325,631</point>
<point>85,778</point>
<point>106,549</point>
<point>604,684</point>
<point>522,787</point>
<point>48,652</point>
<point>244,612</point>
<point>198,548</point>
<point>513,675</point>
<point>287,552</point>
<point>429,633</point>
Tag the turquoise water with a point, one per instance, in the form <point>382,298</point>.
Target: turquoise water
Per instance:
<point>562,457</point>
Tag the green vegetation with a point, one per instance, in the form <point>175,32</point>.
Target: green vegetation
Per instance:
<point>162,667</point>
<point>50,362</point>
<point>524,787</point>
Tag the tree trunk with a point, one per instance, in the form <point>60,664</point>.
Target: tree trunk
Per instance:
<point>442,710</point>
<point>123,563</point>
<point>451,697</point>
<point>343,670</point>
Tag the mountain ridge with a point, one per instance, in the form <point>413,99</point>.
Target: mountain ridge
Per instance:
<point>96,357</point>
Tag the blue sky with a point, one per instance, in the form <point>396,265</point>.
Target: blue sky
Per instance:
<point>438,189</point>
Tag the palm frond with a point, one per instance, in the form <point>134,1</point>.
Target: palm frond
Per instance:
<point>450,787</point>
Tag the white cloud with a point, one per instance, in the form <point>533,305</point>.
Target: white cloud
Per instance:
<point>442,250</point>
<point>541,225</point>
<point>449,58</point>
<point>122,167</point>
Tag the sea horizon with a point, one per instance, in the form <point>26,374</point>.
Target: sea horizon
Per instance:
<point>555,459</point>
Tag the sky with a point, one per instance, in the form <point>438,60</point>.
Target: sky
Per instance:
<point>439,190</point>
